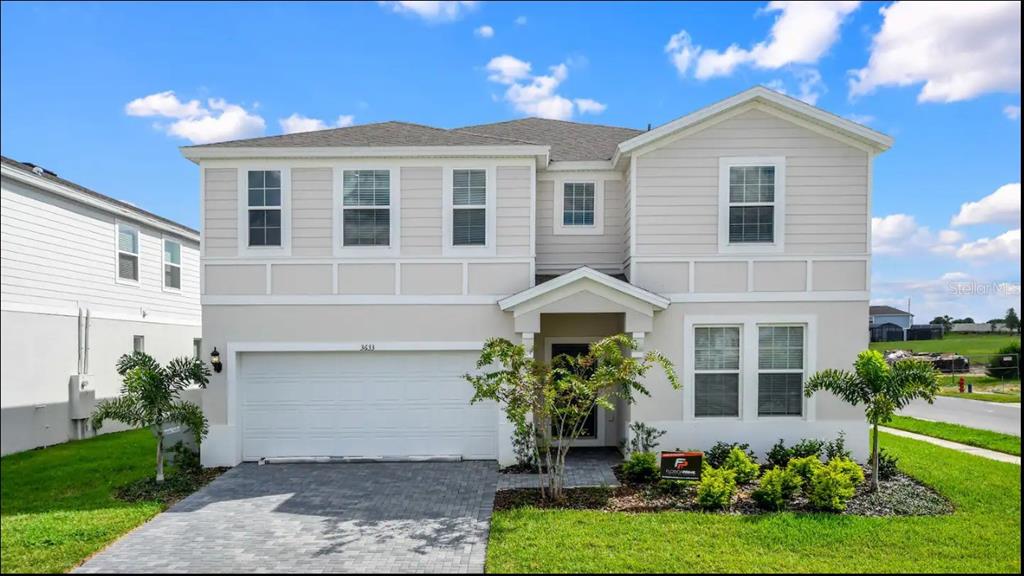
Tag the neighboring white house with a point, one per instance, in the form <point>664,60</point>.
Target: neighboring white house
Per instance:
<point>965,328</point>
<point>351,275</point>
<point>85,278</point>
<point>888,324</point>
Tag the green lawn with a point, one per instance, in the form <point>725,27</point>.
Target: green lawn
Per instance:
<point>985,388</point>
<point>965,344</point>
<point>982,536</point>
<point>57,507</point>
<point>1005,443</point>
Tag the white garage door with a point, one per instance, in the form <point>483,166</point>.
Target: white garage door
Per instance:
<point>363,404</point>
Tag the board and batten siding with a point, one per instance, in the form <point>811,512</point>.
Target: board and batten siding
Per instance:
<point>422,205</point>
<point>513,210</point>
<point>220,212</point>
<point>562,253</point>
<point>826,188</point>
<point>60,255</point>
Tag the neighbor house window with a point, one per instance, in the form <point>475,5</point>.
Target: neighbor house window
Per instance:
<point>172,264</point>
<point>197,347</point>
<point>264,208</point>
<point>127,253</point>
<point>716,371</point>
<point>139,343</point>
<point>469,208</point>
<point>780,370</point>
<point>751,204</point>
<point>366,208</point>
<point>578,204</point>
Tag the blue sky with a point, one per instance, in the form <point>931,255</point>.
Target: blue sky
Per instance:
<point>944,82</point>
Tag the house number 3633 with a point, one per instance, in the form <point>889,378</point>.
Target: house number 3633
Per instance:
<point>367,348</point>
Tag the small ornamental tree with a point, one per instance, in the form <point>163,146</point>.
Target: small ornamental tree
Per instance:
<point>151,397</point>
<point>882,388</point>
<point>553,402</point>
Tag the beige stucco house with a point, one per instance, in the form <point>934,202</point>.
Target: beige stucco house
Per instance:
<point>350,276</point>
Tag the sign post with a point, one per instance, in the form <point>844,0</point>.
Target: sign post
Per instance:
<point>681,465</point>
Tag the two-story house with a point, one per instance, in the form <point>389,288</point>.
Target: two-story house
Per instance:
<point>350,276</point>
<point>85,279</point>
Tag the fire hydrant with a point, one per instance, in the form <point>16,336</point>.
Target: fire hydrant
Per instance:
<point>961,384</point>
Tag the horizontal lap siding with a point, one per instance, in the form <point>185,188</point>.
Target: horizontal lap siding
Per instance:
<point>57,253</point>
<point>826,188</point>
<point>312,216</point>
<point>220,213</point>
<point>422,202</point>
<point>513,211</point>
<point>561,253</point>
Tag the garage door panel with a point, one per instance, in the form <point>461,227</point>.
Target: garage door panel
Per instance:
<point>351,404</point>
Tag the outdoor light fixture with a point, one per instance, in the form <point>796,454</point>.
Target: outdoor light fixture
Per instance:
<point>215,360</point>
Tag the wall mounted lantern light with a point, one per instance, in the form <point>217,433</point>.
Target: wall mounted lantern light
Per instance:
<point>215,360</point>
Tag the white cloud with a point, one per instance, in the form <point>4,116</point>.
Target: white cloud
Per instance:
<point>537,95</point>
<point>484,31</point>
<point>958,50</point>
<point>430,11</point>
<point>901,234</point>
<point>1012,112</point>
<point>1005,246</point>
<point>588,106</point>
<point>802,34</point>
<point>861,118</point>
<point>1001,206</point>
<point>216,122</point>
<point>955,293</point>
<point>810,86</point>
<point>299,123</point>
<point>520,21</point>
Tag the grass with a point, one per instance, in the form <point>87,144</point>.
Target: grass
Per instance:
<point>1006,443</point>
<point>983,535</point>
<point>971,345</point>
<point>57,504</point>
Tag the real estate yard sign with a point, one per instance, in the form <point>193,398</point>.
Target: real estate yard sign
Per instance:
<point>681,465</point>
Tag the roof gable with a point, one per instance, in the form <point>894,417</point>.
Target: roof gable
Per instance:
<point>583,275</point>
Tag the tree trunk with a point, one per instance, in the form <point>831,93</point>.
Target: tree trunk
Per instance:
<point>874,459</point>
<point>160,457</point>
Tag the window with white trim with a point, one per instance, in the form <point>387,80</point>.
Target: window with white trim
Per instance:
<point>197,347</point>
<point>138,343</point>
<point>127,253</point>
<point>172,264</point>
<point>366,208</point>
<point>469,208</point>
<point>780,370</point>
<point>264,207</point>
<point>578,203</point>
<point>716,371</point>
<point>751,204</point>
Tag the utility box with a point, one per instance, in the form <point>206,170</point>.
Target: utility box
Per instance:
<point>81,396</point>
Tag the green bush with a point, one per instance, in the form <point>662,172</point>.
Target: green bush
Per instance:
<point>831,488</point>
<point>776,488</point>
<point>887,464</point>
<point>836,449</point>
<point>807,447</point>
<point>778,456</point>
<point>738,461</point>
<point>641,468</point>
<point>716,488</point>
<point>846,466</point>
<point>804,467</point>
<point>1005,369</point>
<point>717,454</point>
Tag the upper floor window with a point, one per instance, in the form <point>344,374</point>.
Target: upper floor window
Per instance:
<point>578,204</point>
<point>366,208</point>
<point>780,370</point>
<point>716,366</point>
<point>127,253</point>
<point>264,207</point>
<point>751,195</point>
<point>172,264</point>
<point>469,208</point>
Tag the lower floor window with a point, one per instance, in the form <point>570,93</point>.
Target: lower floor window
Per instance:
<point>717,365</point>
<point>717,395</point>
<point>780,394</point>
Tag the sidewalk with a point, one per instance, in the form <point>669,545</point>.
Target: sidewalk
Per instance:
<point>990,454</point>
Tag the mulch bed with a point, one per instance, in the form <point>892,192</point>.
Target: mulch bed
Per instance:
<point>898,496</point>
<point>175,487</point>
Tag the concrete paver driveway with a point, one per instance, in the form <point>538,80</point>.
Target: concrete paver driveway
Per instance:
<point>394,517</point>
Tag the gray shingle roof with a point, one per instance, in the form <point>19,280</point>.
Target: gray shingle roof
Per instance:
<point>52,177</point>
<point>568,140</point>
<point>886,310</point>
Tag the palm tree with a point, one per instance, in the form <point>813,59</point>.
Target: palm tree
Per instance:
<point>881,387</point>
<point>150,397</point>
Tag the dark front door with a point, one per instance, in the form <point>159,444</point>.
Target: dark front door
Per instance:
<point>590,425</point>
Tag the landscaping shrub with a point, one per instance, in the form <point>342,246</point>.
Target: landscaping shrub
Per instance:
<point>716,488</point>
<point>524,446</point>
<point>804,467</point>
<point>833,485</point>
<point>739,462</point>
<point>674,487</point>
<point>186,460</point>
<point>644,438</point>
<point>887,464</point>
<point>778,456</point>
<point>776,488</point>
<point>836,449</point>
<point>641,468</point>
<point>1005,369</point>
<point>807,447</point>
<point>716,456</point>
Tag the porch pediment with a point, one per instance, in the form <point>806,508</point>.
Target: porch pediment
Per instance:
<point>584,291</point>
